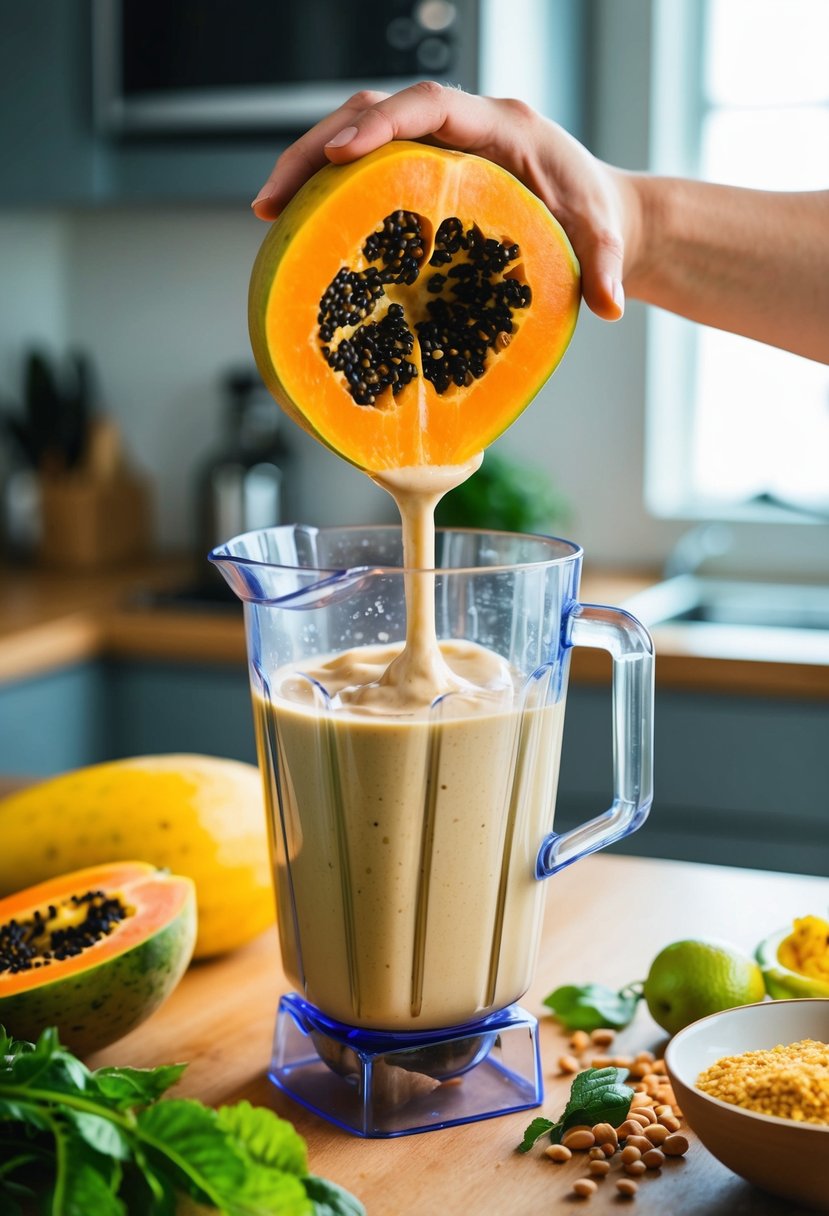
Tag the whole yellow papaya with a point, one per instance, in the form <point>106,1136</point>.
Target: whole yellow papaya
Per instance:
<point>200,816</point>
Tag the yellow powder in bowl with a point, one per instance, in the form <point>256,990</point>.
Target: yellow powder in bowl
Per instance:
<point>791,1082</point>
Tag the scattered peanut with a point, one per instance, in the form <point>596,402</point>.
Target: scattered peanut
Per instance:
<point>568,1064</point>
<point>558,1152</point>
<point>654,1158</point>
<point>600,1168</point>
<point>649,1134</point>
<point>675,1146</point>
<point>578,1140</point>
<point>579,1041</point>
<point>605,1134</point>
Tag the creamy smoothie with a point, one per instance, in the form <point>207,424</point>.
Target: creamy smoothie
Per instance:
<point>416,783</point>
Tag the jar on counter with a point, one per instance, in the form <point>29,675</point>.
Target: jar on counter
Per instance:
<point>242,485</point>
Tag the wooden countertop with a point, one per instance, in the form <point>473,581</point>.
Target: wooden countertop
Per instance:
<point>606,919</point>
<point>50,619</point>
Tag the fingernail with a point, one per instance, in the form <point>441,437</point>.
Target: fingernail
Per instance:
<point>342,138</point>
<point>618,293</point>
<point>264,193</point>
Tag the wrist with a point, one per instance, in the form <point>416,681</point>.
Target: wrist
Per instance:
<point>644,208</point>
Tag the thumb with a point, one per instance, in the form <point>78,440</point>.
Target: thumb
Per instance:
<point>600,253</point>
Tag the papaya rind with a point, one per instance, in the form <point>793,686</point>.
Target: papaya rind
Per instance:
<point>781,982</point>
<point>102,1003</point>
<point>324,186</point>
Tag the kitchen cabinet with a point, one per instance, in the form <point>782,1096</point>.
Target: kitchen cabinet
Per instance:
<point>739,781</point>
<point>168,707</point>
<point>97,711</point>
<point>54,721</point>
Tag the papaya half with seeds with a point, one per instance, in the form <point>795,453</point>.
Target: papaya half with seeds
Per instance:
<point>201,816</point>
<point>405,308</point>
<point>94,952</point>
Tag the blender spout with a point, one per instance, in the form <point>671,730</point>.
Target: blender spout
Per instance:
<point>286,586</point>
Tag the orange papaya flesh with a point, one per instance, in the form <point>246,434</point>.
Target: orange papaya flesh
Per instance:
<point>93,952</point>
<point>406,308</point>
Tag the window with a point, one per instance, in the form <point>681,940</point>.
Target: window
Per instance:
<point>741,96</point>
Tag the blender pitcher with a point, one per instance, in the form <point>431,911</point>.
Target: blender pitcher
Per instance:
<point>408,845</point>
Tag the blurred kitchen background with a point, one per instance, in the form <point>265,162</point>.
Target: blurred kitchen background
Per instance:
<point>133,136</point>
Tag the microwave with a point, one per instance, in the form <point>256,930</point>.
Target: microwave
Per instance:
<point>214,67</point>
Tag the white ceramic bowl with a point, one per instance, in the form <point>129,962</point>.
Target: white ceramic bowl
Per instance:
<point>786,1158</point>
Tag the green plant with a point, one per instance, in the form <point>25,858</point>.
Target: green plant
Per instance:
<point>504,495</point>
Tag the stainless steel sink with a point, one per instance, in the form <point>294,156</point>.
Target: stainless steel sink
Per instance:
<point>692,598</point>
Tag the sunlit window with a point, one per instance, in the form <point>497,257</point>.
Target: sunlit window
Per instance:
<point>756,419</point>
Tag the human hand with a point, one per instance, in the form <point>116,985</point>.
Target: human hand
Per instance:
<point>595,203</point>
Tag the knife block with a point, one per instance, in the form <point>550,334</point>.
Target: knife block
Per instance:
<point>90,523</point>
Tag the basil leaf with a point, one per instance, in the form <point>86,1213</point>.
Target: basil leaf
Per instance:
<point>331,1200</point>
<point>268,1192</point>
<point>127,1087</point>
<point>100,1133</point>
<point>82,1186</point>
<point>534,1132</point>
<point>186,1133</point>
<point>591,1006</point>
<point>263,1137</point>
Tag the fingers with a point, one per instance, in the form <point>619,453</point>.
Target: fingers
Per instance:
<point>367,121</point>
<point>306,155</point>
<point>579,190</point>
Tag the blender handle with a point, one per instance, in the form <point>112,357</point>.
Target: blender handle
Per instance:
<point>631,648</point>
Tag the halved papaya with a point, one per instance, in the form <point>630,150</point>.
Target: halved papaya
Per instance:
<point>93,952</point>
<point>406,308</point>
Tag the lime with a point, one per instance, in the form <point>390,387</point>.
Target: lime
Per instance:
<point>690,979</point>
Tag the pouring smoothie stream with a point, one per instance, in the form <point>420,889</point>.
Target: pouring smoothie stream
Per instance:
<point>409,701</point>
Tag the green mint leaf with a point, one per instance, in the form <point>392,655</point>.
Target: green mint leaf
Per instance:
<point>188,1136</point>
<point>128,1087</point>
<point>534,1132</point>
<point>597,1095</point>
<point>331,1200</point>
<point>100,1133</point>
<point>591,1006</point>
<point>591,1080</point>
<point>610,1105</point>
<point>263,1137</point>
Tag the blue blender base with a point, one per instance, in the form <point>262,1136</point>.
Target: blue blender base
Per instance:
<point>375,1084</point>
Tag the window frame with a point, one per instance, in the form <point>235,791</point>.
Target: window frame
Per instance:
<point>678,106</point>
